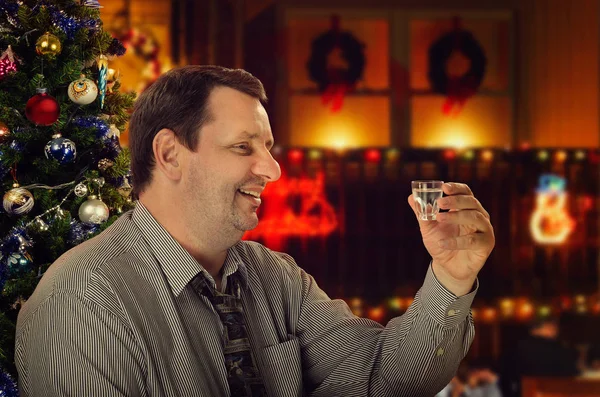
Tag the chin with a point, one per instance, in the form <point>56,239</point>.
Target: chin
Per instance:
<point>250,226</point>
<point>246,224</point>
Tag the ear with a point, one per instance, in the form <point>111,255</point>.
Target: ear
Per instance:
<point>167,152</point>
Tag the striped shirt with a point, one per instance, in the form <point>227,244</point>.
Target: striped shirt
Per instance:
<point>117,316</point>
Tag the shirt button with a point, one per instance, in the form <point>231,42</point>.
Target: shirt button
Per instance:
<point>453,312</point>
<point>440,351</point>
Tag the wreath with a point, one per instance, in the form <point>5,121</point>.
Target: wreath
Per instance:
<point>457,88</point>
<point>146,47</point>
<point>334,81</point>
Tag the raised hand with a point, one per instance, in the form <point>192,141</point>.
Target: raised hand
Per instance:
<point>459,241</point>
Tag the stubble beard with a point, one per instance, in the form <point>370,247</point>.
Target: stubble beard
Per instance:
<point>240,222</point>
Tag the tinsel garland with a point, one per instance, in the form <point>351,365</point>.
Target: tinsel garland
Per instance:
<point>102,128</point>
<point>67,24</point>
<point>8,387</point>
<point>80,232</point>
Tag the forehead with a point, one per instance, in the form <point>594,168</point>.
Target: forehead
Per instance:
<point>227,105</point>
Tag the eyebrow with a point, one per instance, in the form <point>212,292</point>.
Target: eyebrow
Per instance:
<point>255,136</point>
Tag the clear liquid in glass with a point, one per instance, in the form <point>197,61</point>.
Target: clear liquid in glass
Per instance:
<point>426,200</point>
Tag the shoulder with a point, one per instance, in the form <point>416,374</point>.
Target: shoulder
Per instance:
<point>82,267</point>
<point>265,261</point>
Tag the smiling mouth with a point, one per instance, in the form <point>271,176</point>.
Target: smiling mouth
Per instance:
<point>252,196</point>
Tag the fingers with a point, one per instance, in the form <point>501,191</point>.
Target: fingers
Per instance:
<point>452,188</point>
<point>462,202</point>
<point>473,242</point>
<point>469,217</point>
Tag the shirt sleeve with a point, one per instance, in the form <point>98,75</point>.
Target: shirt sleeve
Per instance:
<point>70,347</point>
<point>416,354</point>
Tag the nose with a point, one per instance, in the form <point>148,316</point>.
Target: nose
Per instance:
<point>267,167</point>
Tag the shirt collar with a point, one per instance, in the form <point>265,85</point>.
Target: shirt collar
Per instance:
<point>177,264</point>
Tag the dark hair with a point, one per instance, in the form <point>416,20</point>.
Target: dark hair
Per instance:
<point>178,100</point>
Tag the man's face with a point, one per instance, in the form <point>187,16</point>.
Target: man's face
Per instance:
<point>232,164</point>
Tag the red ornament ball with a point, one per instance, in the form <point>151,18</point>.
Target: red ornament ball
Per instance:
<point>42,109</point>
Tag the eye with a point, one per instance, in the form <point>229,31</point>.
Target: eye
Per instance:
<point>244,147</point>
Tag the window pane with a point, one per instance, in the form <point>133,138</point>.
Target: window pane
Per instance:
<point>484,121</point>
<point>374,33</point>
<point>492,35</point>
<point>362,121</point>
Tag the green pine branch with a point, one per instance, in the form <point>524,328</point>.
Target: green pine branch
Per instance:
<point>23,151</point>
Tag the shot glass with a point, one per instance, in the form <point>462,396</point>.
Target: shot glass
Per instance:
<point>426,194</point>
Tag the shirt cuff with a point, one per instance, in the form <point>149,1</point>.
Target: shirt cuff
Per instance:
<point>441,304</point>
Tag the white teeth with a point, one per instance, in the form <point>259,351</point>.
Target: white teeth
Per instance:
<point>254,194</point>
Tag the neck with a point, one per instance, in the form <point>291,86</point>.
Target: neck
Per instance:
<point>202,243</point>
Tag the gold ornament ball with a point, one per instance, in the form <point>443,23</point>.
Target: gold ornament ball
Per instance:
<point>17,201</point>
<point>4,131</point>
<point>48,44</point>
<point>112,76</point>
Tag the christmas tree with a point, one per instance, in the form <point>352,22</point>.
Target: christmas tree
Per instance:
<point>64,176</point>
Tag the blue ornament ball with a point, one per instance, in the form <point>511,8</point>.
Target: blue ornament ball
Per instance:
<point>18,264</point>
<point>61,149</point>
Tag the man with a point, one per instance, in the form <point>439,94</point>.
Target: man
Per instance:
<point>169,301</point>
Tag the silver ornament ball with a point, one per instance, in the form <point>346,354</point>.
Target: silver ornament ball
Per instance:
<point>99,181</point>
<point>93,211</point>
<point>81,190</point>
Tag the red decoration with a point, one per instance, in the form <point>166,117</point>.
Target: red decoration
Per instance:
<point>42,109</point>
<point>8,62</point>
<point>295,155</point>
<point>449,154</point>
<point>336,64</point>
<point>376,314</point>
<point>373,155</point>
<point>587,203</point>
<point>457,65</point>
<point>594,156</point>
<point>6,67</point>
<point>525,146</point>
<point>316,217</point>
<point>146,47</point>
